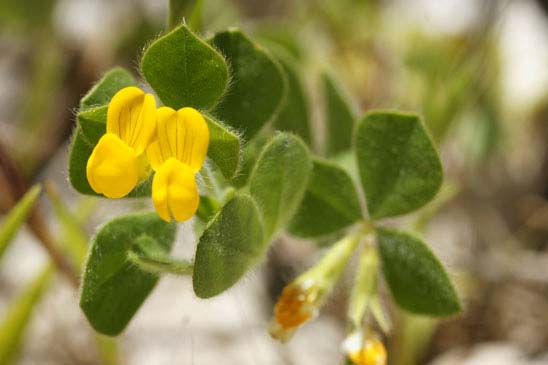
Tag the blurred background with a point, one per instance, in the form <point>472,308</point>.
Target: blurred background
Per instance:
<point>477,71</point>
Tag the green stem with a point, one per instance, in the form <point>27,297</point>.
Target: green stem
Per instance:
<point>162,265</point>
<point>333,263</point>
<point>365,286</point>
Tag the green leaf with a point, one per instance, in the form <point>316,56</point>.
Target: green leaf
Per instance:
<point>17,216</point>
<point>295,114</point>
<point>93,122</point>
<point>257,85</point>
<point>184,70</point>
<point>279,180</point>
<point>330,202</point>
<point>416,278</point>
<point>78,158</point>
<point>104,89</point>
<point>224,147</point>
<point>399,168</point>
<point>18,315</point>
<point>231,244</point>
<point>249,155</point>
<point>339,117</point>
<point>113,288</point>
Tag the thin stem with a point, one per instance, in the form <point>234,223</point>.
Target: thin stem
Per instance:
<point>162,265</point>
<point>365,285</point>
<point>331,265</point>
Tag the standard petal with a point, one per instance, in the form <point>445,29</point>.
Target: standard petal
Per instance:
<point>166,132</point>
<point>155,156</point>
<point>174,191</point>
<point>159,193</point>
<point>112,167</point>
<point>145,127</point>
<point>193,138</point>
<point>184,135</point>
<point>131,116</point>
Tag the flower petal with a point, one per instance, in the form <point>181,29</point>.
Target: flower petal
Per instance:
<point>131,116</point>
<point>112,168</point>
<point>174,191</point>
<point>184,135</point>
<point>154,155</point>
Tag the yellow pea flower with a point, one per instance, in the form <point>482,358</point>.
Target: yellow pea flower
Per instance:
<point>362,349</point>
<point>118,162</point>
<point>177,154</point>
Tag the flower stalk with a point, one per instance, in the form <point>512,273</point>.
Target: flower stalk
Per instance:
<point>300,300</point>
<point>161,264</point>
<point>365,286</point>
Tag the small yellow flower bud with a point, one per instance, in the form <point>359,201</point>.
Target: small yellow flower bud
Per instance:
<point>364,349</point>
<point>297,304</point>
<point>300,300</point>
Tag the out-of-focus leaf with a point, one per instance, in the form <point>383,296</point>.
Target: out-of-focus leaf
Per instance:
<point>279,180</point>
<point>113,288</point>
<point>178,10</point>
<point>101,93</point>
<point>399,168</point>
<point>295,114</point>
<point>339,116</point>
<point>17,216</point>
<point>415,276</point>
<point>74,238</point>
<point>284,37</point>
<point>257,87</point>
<point>184,70</point>
<point>18,315</point>
<point>31,14</point>
<point>330,202</point>
<point>231,244</point>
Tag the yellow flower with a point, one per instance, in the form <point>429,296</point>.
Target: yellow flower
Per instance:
<point>297,304</point>
<point>117,162</point>
<point>364,349</point>
<point>176,155</point>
